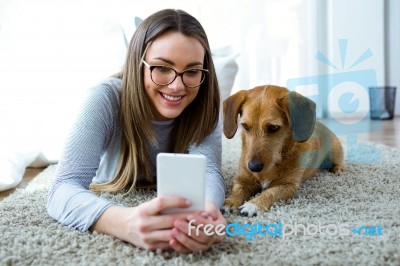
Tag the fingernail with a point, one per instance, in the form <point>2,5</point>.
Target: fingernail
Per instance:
<point>188,202</point>
<point>180,224</point>
<point>176,232</point>
<point>204,214</point>
<point>191,217</point>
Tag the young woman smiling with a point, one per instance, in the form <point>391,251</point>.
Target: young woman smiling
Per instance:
<point>165,99</point>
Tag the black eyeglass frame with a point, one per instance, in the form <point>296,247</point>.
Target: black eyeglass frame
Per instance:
<point>177,74</point>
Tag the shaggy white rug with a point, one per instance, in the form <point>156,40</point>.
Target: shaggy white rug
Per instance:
<point>366,200</point>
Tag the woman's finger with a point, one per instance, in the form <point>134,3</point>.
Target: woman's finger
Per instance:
<point>212,210</point>
<point>195,228</point>
<point>158,222</point>
<point>188,242</point>
<point>151,223</point>
<point>161,203</point>
<point>158,245</point>
<point>178,247</point>
<point>203,228</point>
<point>153,237</point>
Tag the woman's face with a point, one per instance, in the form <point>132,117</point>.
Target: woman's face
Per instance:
<point>179,52</point>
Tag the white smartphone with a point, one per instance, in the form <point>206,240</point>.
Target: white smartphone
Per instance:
<point>182,175</point>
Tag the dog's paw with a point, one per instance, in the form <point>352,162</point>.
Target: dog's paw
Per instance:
<point>226,209</point>
<point>229,206</point>
<point>248,209</point>
<point>338,169</point>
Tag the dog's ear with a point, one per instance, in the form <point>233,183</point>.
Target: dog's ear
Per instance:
<point>232,108</point>
<point>300,112</point>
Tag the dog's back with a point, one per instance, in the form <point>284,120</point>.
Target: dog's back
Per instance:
<point>322,151</point>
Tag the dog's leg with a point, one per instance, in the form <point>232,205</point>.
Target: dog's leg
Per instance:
<point>243,188</point>
<point>338,165</point>
<point>264,201</point>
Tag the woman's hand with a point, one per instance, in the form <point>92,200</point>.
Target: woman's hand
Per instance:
<point>199,230</point>
<point>143,225</point>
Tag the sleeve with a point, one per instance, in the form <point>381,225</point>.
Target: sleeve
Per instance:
<point>69,200</point>
<point>211,147</point>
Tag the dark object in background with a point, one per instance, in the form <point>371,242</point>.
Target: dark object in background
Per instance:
<point>382,102</point>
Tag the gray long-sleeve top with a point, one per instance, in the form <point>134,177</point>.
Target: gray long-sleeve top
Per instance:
<point>91,154</point>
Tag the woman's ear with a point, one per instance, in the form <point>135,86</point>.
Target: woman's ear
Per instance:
<point>232,108</point>
<point>300,112</point>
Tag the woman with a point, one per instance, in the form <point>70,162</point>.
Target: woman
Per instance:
<point>165,99</point>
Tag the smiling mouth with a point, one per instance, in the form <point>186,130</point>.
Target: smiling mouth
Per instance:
<point>171,98</point>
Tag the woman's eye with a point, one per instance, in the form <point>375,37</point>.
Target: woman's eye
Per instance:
<point>192,72</point>
<point>273,128</point>
<point>162,69</point>
<point>245,127</point>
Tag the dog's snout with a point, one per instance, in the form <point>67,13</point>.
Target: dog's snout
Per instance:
<point>255,166</point>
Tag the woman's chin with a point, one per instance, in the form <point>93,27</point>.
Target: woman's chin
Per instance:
<point>168,115</point>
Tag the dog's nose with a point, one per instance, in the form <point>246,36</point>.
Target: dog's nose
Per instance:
<point>255,166</point>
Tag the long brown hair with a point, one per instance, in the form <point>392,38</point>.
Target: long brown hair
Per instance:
<point>194,124</point>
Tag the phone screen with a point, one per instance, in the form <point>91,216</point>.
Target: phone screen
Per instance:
<point>182,175</point>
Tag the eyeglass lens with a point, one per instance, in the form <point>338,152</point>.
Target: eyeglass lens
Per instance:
<point>163,75</point>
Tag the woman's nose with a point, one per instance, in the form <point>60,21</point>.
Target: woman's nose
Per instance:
<point>177,84</point>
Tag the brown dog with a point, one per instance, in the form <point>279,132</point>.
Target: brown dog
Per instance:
<point>282,146</point>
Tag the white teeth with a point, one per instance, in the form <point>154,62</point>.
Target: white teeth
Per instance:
<point>171,98</point>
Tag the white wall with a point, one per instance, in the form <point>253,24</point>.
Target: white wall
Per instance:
<point>392,32</point>
<point>361,22</point>
<point>273,39</point>
<point>50,53</point>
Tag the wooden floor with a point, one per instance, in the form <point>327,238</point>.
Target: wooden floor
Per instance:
<point>378,131</point>
<point>384,132</point>
<point>30,173</point>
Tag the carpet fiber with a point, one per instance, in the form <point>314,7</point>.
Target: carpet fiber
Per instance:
<point>365,199</point>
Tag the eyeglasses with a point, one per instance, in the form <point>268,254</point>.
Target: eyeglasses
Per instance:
<point>165,75</point>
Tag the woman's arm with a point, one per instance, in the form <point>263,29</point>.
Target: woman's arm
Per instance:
<point>69,200</point>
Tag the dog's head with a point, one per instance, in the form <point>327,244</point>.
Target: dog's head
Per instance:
<point>272,119</point>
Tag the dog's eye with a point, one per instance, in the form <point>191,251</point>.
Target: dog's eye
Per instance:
<point>245,127</point>
<point>273,128</point>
